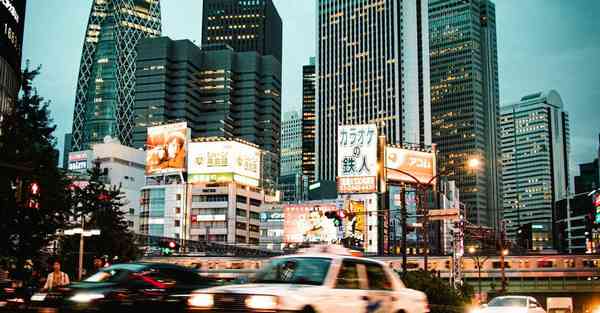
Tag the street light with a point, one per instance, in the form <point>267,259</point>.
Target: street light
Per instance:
<point>474,163</point>
<point>479,262</point>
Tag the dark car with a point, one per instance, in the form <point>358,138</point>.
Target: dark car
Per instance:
<point>131,287</point>
<point>12,297</point>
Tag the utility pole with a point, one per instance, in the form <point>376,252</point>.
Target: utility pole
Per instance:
<point>80,267</point>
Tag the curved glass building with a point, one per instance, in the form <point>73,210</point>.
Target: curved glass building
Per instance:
<point>104,99</point>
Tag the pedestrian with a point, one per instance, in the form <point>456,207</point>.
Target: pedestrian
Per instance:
<point>98,265</point>
<point>57,278</point>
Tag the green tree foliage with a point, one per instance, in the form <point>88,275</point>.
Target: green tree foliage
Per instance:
<point>29,221</point>
<point>442,297</point>
<point>101,204</point>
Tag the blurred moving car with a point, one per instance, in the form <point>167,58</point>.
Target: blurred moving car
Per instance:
<point>511,304</point>
<point>317,281</point>
<point>126,288</point>
<point>559,304</point>
<point>13,296</point>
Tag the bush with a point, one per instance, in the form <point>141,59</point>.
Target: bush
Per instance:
<point>442,297</point>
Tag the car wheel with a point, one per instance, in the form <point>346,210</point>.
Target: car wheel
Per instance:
<point>308,310</point>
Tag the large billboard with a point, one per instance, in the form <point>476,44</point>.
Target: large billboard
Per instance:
<point>80,161</point>
<point>315,223</point>
<point>224,161</point>
<point>357,158</point>
<point>166,148</point>
<point>12,20</point>
<point>419,164</point>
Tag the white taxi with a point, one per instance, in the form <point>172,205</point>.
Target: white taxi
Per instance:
<point>317,281</point>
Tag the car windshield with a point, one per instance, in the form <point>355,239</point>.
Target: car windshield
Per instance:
<point>303,271</point>
<point>114,273</point>
<point>519,302</point>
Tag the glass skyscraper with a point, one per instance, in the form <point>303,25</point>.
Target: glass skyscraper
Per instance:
<point>309,117</point>
<point>465,102</point>
<point>372,67</point>
<point>535,158</point>
<point>104,100</point>
<point>12,21</point>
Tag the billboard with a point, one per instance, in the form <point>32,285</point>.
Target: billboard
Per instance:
<point>12,20</point>
<point>357,158</point>
<point>419,164</point>
<point>224,161</point>
<point>315,223</point>
<point>79,161</point>
<point>166,148</point>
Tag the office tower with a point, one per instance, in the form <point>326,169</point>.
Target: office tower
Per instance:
<point>372,67</point>
<point>309,117</point>
<point>588,179</point>
<point>66,149</point>
<point>535,154</point>
<point>106,85</point>
<point>12,20</point>
<point>290,179</point>
<point>244,25</point>
<point>465,102</point>
<point>217,91</point>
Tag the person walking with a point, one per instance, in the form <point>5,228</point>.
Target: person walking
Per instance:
<point>57,278</point>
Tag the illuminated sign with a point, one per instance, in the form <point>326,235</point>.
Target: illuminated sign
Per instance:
<point>357,158</point>
<point>597,205</point>
<point>78,161</point>
<point>11,31</point>
<point>419,164</point>
<point>166,148</point>
<point>356,184</point>
<point>271,216</point>
<point>224,161</point>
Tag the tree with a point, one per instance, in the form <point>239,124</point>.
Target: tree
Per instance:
<point>101,205</point>
<point>34,197</point>
<point>442,297</point>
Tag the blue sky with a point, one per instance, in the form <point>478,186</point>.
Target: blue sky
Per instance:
<point>542,44</point>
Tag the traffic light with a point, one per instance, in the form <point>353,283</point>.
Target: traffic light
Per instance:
<point>168,247</point>
<point>34,193</point>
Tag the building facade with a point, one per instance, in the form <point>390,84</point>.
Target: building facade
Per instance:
<point>12,20</point>
<point>123,166</point>
<point>372,67</point>
<point>271,227</point>
<point>104,99</point>
<point>465,102</point>
<point>535,155</point>
<point>217,91</point>
<point>244,25</point>
<point>309,118</point>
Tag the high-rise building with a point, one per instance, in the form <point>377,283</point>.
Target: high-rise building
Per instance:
<point>535,169</point>
<point>105,94</point>
<point>12,20</point>
<point>291,178</point>
<point>588,178</point>
<point>244,25</point>
<point>465,102</point>
<point>217,91</point>
<point>66,149</point>
<point>372,67</point>
<point>309,118</point>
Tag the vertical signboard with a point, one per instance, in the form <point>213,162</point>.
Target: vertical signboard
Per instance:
<point>357,158</point>
<point>166,148</point>
<point>597,206</point>
<point>12,18</point>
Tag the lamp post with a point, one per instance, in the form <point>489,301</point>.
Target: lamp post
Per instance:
<point>479,262</point>
<point>82,232</point>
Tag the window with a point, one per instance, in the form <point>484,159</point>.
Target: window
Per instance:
<point>241,199</point>
<point>240,225</point>
<point>255,202</point>
<point>178,196</point>
<point>254,215</point>
<point>131,211</point>
<point>378,279</point>
<point>210,198</point>
<point>177,223</point>
<point>348,276</point>
<point>241,213</point>
<point>177,210</point>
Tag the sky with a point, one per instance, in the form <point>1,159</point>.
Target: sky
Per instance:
<point>542,44</point>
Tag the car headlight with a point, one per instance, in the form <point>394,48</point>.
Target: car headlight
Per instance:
<point>86,297</point>
<point>202,300</point>
<point>261,302</point>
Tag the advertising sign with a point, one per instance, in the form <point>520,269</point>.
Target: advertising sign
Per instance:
<point>308,223</point>
<point>12,18</point>
<point>419,164</point>
<point>597,205</point>
<point>78,161</point>
<point>166,148</point>
<point>357,158</point>
<point>271,216</point>
<point>224,161</point>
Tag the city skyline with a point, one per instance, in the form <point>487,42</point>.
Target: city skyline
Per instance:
<point>541,63</point>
